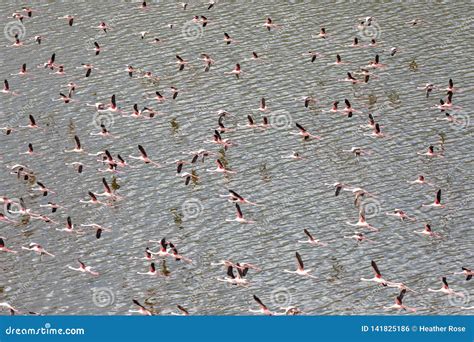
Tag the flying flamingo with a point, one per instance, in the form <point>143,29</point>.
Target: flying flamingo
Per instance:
<point>399,304</point>
<point>83,268</point>
<point>300,268</point>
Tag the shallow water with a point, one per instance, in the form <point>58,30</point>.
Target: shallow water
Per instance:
<point>293,194</point>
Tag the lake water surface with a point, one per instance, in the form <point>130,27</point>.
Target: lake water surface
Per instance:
<point>293,195</point>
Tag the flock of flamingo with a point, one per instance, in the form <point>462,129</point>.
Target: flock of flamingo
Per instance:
<point>111,164</point>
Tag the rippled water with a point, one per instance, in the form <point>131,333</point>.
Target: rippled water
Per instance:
<point>293,194</point>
